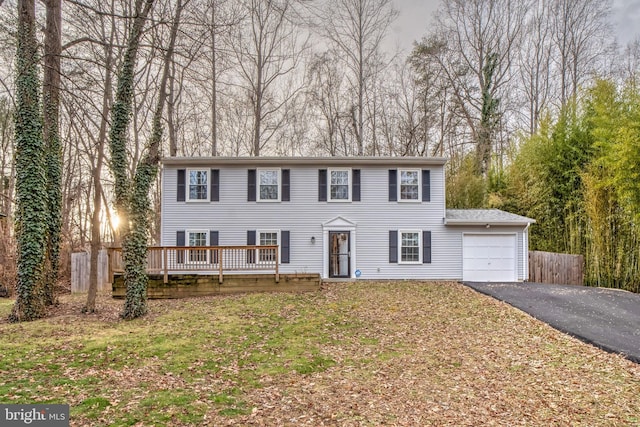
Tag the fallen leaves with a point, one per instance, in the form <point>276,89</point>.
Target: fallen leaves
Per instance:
<point>354,354</point>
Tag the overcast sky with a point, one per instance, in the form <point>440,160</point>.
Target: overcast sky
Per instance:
<point>415,18</point>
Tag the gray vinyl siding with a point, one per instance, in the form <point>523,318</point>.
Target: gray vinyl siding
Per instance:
<point>454,237</point>
<point>304,215</point>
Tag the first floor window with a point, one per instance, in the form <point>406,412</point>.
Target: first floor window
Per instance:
<point>198,185</point>
<point>410,246</point>
<point>269,183</point>
<point>339,185</point>
<point>267,238</point>
<point>409,185</point>
<point>197,238</point>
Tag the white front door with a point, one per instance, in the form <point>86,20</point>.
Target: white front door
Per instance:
<point>489,258</point>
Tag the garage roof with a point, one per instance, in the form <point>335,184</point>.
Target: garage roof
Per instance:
<point>484,217</point>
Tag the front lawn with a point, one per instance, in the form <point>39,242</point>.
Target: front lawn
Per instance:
<point>400,353</point>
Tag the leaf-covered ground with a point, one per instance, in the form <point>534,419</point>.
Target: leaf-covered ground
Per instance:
<point>353,354</point>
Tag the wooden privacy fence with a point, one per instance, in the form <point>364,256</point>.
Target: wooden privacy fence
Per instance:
<point>81,268</point>
<point>553,268</point>
<point>209,259</point>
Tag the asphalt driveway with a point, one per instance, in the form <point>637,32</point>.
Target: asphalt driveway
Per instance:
<point>606,318</point>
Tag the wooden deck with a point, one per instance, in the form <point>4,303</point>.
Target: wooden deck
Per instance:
<point>178,272</point>
<point>193,285</point>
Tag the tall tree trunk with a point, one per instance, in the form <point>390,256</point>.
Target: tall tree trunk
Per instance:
<point>31,182</point>
<point>214,89</point>
<point>135,245</point>
<point>51,136</point>
<point>96,243</point>
<point>121,117</point>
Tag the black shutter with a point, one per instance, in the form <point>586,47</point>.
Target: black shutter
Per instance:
<point>286,196</point>
<point>215,185</point>
<point>213,241</point>
<point>426,247</point>
<point>322,185</point>
<point>284,247</point>
<point>426,185</point>
<point>251,240</point>
<point>393,185</point>
<point>251,185</point>
<point>355,185</point>
<point>393,246</point>
<point>181,185</point>
<point>180,241</point>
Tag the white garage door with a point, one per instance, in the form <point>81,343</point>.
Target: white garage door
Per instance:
<point>489,258</point>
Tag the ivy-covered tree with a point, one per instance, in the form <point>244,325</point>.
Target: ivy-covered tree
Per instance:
<point>31,182</point>
<point>132,197</point>
<point>51,135</point>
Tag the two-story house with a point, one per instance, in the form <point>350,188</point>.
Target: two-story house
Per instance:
<point>355,217</point>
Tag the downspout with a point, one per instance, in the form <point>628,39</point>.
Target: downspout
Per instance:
<point>525,252</point>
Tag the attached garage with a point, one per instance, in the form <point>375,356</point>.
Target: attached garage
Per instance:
<point>494,244</point>
<point>489,257</point>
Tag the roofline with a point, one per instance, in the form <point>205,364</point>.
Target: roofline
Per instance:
<point>280,161</point>
<point>485,222</point>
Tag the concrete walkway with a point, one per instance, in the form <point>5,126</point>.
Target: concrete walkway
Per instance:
<point>606,318</point>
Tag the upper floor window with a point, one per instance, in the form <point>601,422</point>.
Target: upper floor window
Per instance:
<point>409,185</point>
<point>195,184</point>
<point>339,184</point>
<point>269,184</point>
<point>198,185</point>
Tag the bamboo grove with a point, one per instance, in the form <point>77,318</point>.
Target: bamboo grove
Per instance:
<point>579,176</point>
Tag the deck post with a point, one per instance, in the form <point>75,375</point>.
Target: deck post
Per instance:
<point>220,251</point>
<point>277,264</point>
<point>165,264</point>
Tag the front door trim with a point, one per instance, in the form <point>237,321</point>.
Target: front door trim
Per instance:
<point>339,224</point>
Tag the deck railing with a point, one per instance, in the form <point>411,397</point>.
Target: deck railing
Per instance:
<point>211,259</point>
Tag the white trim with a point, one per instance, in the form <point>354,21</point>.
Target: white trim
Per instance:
<point>339,223</point>
<point>278,184</point>
<point>349,184</point>
<point>258,243</point>
<point>399,183</point>
<point>188,185</point>
<point>420,254</point>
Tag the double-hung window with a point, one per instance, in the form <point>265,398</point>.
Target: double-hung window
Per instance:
<point>269,185</point>
<point>410,244</point>
<point>409,185</point>
<point>267,238</point>
<point>198,185</point>
<point>197,238</point>
<point>339,185</point>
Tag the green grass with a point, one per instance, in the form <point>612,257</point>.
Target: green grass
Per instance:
<point>354,354</point>
<point>171,365</point>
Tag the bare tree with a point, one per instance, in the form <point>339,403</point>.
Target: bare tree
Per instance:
<point>267,49</point>
<point>581,36</point>
<point>356,29</point>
